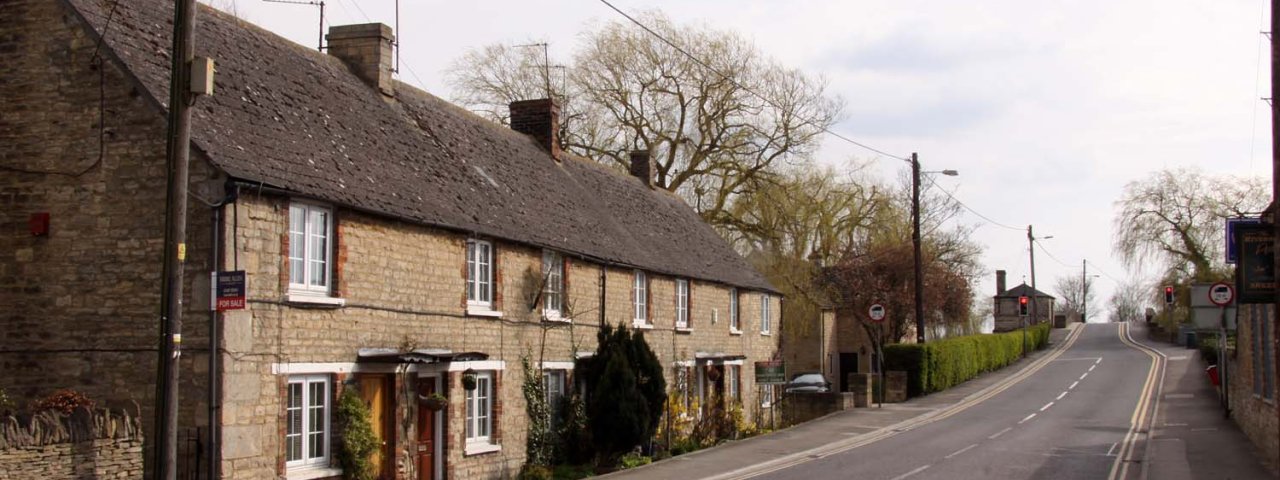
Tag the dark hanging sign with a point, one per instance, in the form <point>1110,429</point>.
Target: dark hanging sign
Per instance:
<point>770,373</point>
<point>1255,272</point>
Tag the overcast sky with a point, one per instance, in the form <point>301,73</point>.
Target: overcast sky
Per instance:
<point>1047,108</point>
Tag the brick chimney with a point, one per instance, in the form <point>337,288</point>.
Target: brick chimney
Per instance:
<point>367,50</point>
<point>1000,282</point>
<point>539,119</point>
<point>642,167</point>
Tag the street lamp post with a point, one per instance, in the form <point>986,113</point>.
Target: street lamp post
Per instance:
<point>1084,289</point>
<point>915,242</point>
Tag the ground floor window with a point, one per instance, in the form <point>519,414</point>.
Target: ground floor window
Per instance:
<point>732,383</point>
<point>553,382</point>
<point>307,414</point>
<point>479,421</point>
<point>766,395</point>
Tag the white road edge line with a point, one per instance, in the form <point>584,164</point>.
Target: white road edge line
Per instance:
<point>1060,395</point>
<point>913,472</point>
<point>962,450</point>
<point>1029,417</point>
<point>1046,406</point>
<point>1073,385</point>
<point>1002,432</point>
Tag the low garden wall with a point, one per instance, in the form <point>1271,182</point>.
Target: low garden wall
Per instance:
<point>97,444</point>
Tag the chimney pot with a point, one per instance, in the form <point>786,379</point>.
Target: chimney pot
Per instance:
<point>539,119</point>
<point>1000,282</point>
<point>367,50</point>
<point>642,167</point>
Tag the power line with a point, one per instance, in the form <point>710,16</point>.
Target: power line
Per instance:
<point>1104,272</point>
<point>735,83</point>
<point>1051,255</point>
<point>970,209</point>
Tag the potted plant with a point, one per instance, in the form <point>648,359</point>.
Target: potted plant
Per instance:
<point>434,402</point>
<point>469,379</point>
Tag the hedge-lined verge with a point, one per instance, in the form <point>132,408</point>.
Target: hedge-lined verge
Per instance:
<point>939,365</point>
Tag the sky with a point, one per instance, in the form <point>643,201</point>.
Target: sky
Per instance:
<point>1046,108</point>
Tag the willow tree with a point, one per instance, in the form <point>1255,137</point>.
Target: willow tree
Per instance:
<point>1175,219</point>
<point>716,123</point>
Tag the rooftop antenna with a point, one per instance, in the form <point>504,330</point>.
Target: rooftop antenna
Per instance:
<point>320,41</point>
<point>546,64</point>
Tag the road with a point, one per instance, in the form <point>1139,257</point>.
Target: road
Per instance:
<point>1080,416</point>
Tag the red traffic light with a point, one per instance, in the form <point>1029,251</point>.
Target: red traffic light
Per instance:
<point>1022,306</point>
<point>1168,295</point>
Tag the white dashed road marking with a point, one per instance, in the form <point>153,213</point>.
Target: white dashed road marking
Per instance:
<point>1073,385</point>
<point>1046,406</point>
<point>1060,395</point>
<point>1029,417</point>
<point>1002,432</point>
<point>962,450</point>
<point>913,472</point>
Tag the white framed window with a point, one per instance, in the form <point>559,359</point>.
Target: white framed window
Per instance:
<point>640,298</point>
<point>732,381</point>
<point>682,303</point>
<point>479,274</point>
<point>735,321</point>
<point>310,248</point>
<point>553,383</point>
<point>553,291</point>
<point>307,414</point>
<point>766,396</point>
<point>765,319</point>
<point>479,421</point>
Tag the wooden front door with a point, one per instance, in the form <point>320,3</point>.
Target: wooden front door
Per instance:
<point>427,445</point>
<point>376,392</point>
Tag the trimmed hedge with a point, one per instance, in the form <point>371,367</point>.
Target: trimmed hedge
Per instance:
<point>939,365</point>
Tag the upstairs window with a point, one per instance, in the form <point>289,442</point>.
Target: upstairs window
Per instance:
<point>640,298</point>
<point>735,322</point>
<point>479,274</point>
<point>765,318</point>
<point>553,290</point>
<point>682,303</point>
<point>310,248</point>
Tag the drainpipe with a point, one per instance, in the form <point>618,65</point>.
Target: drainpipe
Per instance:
<point>602,289</point>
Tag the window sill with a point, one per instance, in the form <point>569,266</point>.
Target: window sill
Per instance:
<point>309,298</point>
<point>479,449</point>
<point>555,317</point>
<point>642,326</point>
<point>475,311</point>
<point>734,331</point>
<point>766,334</point>
<point>312,473</point>
<point>684,330</point>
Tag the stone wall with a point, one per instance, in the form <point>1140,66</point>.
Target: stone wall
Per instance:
<point>83,142</point>
<point>1257,416</point>
<point>85,445</point>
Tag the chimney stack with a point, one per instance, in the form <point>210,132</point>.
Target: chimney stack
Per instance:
<point>1000,282</point>
<point>367,51</point>
<point>539,119</point>
<point>642,167</point>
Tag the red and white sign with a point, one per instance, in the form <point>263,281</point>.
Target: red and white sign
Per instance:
<point>229,290</point>
<point>1221,294</point>
<point>876,312</point>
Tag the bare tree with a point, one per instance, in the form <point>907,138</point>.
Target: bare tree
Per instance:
<point>716,126</point>
<point>1175,218</point>
<point>1128,303</point>
<point>1076,292</point>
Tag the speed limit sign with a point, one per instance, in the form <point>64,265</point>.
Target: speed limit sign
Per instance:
<point>876,312</point>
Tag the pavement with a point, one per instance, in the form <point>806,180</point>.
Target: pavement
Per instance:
<point>1190,439</point>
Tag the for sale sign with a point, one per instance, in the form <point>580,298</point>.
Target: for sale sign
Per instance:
<point>231,290</point>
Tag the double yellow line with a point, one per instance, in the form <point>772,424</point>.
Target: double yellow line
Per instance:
<point>1143,419</point>
<point>889,431</point>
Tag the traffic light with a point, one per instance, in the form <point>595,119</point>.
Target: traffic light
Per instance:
<point>1168,295</point>
<point>1023,304</point>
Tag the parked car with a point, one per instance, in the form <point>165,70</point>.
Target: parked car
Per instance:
<point>808,382</point>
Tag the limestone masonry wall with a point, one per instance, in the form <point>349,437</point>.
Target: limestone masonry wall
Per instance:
<point>86,445</point>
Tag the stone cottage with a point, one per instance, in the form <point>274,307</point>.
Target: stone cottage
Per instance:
<point>392,243</point>
<point>1005,305</point>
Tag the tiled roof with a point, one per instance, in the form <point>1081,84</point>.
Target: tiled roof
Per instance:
<point>1021,290</point>
<point>289,117</point>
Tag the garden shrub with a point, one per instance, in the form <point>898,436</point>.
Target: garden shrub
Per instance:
<point>942,364</point>
<point>358,440</point>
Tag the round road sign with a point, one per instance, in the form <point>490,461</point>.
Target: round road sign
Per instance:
<point>1221,294</point>
<point>876,312</point>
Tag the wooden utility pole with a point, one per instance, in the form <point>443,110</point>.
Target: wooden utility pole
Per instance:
<point>915,247</point>
<point>1031,241</point>
<point>177,156</point>
<point>1275,175</point>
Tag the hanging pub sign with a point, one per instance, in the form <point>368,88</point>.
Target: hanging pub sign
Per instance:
<point>1232,244</point>
<point>230,289</point>
<point>1255,271</point>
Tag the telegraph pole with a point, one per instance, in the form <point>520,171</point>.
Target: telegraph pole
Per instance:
<point>1031,240</point>
<point>915,246</point>
<point>1275,160</point>
<point>177,156</point>
<point>1084,289</point>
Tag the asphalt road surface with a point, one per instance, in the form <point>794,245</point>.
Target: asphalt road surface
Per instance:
<point>1078,417</point>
